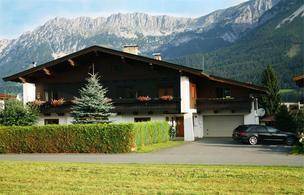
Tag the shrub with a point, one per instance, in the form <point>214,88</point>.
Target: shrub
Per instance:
<point>298,118</point>
<point>15,113</point>
<point>147,133</point>
<point>101,138</point>
<point>88,138</point>
<point>284,120</point>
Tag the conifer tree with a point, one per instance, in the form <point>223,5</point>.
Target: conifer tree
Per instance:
<point>284,120</point>
<point>270,102</point>
<point>92,106</point>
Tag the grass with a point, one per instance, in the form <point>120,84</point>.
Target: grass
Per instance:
<point>158,146</point>
<point>283,91</point>
<point>291,95</point>
<point>294,50</point>
<point>81,178</point>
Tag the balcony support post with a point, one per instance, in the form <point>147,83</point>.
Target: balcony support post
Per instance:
<point>186,109</point>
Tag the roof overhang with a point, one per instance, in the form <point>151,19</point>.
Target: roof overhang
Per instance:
<point>299,80</point>
<point>20,77</point>
<point>95,49</point>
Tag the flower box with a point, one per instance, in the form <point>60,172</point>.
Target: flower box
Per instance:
<point>143,98</point>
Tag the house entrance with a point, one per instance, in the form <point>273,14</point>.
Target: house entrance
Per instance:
<point>180,127</point>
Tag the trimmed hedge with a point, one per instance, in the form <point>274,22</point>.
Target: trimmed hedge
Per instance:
<point>147,133</point>
<point>93,138</point>
<point>90,138</point>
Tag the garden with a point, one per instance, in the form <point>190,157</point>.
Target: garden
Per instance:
<point>92,132</point>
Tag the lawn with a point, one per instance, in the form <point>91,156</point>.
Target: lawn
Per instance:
<point>291,95</point>
<point>159,146</point>
<point>40,178</point>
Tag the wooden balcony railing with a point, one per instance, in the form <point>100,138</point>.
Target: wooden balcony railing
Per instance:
<point>123,105</point>
<point>218,104</point>
<point>154,105</point>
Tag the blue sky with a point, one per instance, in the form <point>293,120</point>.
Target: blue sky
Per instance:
<point>18,16</point>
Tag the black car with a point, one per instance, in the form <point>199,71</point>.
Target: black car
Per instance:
<point>254,134</point>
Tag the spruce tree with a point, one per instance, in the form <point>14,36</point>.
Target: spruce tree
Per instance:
<point>93,106</point>
<point>270,102</point>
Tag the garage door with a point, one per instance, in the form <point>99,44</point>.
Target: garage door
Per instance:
<point>221,126</point>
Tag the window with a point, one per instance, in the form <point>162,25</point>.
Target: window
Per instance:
<point>272,130</point>
<point>51,121</point>
<point>50,95</point>
<point>260,129</point>
<point>125,92</point>
<point>256,105</point>
<point>223,92</point>
<point>163,91</point>
<point>142,119</point>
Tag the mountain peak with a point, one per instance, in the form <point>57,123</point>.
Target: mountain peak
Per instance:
<point>4,43</point>
<point>173,36</point>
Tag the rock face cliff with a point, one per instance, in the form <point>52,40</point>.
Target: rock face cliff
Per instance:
<point>173,36</point>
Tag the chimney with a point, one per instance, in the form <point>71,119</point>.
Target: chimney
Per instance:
<point>32,65</point>
<point>132,49</point>
<point>157,56</point>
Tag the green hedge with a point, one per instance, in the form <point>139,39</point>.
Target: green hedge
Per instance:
<point>147,133</point>
<point>91,138</point>
<point>101,138</point>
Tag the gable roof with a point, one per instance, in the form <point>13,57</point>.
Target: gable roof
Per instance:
<point>193,71</point>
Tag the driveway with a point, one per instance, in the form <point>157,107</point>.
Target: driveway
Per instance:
<point>206,151</point>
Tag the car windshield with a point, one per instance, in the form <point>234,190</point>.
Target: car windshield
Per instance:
<point>271,129</point>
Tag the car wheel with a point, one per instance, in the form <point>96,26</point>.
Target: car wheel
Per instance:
<point>290,141</point>
<point>253,140</point>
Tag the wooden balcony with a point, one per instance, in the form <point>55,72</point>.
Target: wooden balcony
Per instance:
<point>155,105</point>
<point>131,106</point>
<point>48,108</point>
<point>219,104</point>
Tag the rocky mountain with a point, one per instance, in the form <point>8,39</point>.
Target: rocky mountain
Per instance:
<point>218,29</point>
<point>172,36</point>
<point>277,40</point>
<point>4,43</point>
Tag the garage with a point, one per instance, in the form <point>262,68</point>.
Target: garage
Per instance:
<point>221,125</point>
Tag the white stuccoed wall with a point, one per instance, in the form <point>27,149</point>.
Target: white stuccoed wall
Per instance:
<point>252,117</point>
<point>185,108</point>
<point>130,118</point>
<point>198,126</point>
<point>1,105</point>
<point>185,94</point>
<point>67,119</point>
<point>29,92</point>
<point>63,120</point>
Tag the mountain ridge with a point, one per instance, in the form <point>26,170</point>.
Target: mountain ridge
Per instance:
<point>172,36</point>
<point>267,44</point>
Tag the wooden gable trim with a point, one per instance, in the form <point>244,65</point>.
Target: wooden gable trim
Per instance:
<point>71,62</point>
<point>47,71</point>
<point>237,83</point>
<point>97,49</point>
<point>23,80</point>
<point>298,78</point>
<point>124,55</point>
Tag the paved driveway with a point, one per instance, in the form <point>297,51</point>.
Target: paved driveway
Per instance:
<point>206,151</point>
